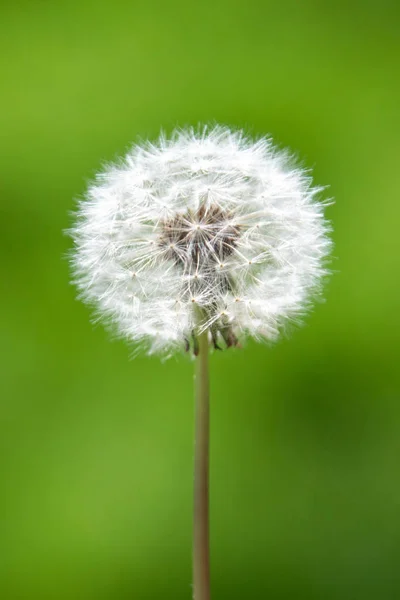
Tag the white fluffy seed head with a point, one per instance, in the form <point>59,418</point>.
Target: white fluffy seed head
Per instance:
<point>205,230</point>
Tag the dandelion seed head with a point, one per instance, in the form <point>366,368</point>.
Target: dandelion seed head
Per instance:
<point>205,230</point>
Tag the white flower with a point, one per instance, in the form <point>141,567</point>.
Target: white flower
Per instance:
<point>205,230</point>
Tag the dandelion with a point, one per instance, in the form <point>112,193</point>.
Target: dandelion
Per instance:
<point>204,238</point>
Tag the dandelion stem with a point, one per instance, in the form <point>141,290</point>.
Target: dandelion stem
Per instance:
<point>201,551</point>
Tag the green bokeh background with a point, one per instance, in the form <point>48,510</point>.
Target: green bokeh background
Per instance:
<point>96,449</point>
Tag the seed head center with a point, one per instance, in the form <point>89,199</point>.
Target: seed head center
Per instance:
<point>207,235</point>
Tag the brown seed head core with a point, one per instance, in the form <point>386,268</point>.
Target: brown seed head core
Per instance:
<point>202,237</point>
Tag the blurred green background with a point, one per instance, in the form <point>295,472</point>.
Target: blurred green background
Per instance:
<point>96,449</point>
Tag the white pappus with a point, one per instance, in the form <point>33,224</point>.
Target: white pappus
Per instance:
<point>204,230</point>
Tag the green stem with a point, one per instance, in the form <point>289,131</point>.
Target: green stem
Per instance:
<point>201,551</point>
